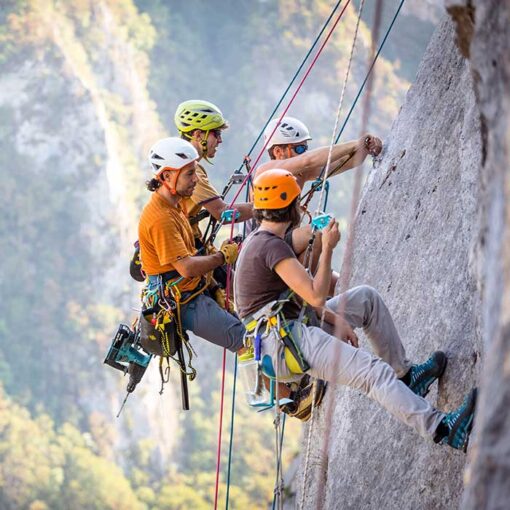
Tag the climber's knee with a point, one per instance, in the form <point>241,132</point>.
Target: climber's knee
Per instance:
<point>367,293</point>
<point>375,374</point>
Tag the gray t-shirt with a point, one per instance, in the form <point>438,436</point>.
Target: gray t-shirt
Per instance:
<point>256,283</point>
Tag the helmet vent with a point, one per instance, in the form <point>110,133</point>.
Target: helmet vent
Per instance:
<point>283,195</point>
<point>181,155</point>
<point>156,156</point>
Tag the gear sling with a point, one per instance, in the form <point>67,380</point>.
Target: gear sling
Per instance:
<point>161,326</point>
<point>253,366</point>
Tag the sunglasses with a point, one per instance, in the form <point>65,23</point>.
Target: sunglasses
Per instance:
<point>216,133</point>
<point>300,149</point>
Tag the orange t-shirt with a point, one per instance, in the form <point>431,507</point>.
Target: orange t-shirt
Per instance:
<point>165,236</point>
<point>204,192</point>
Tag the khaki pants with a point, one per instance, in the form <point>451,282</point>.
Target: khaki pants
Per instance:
<point>375,376</point>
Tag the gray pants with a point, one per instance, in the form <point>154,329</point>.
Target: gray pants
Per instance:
<point>340,363</point>
<point>206,319</point>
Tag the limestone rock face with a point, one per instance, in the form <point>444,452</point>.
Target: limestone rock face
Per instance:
<point>416,231</point>
<point>488,472</point>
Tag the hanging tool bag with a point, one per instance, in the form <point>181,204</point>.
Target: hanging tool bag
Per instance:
<point>158,332</point>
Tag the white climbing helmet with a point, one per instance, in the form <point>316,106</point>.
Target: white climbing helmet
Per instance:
<point>171,153</point>
<point>290,130</point>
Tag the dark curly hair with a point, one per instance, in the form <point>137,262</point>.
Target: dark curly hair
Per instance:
<point>153,184</point>
<point>290,213</point>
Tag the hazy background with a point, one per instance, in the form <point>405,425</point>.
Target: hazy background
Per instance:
<point>85,88</point>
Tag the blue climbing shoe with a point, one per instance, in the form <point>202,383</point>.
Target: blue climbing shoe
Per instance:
<point>456,426</point>
<point>420,377</point>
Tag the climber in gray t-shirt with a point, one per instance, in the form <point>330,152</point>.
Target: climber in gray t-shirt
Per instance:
<point>267,267</point>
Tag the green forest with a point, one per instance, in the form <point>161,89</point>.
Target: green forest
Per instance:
<point>86,87</point>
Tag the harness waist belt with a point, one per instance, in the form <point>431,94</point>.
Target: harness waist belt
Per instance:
<point>268,314</point>
<point>169,275</point>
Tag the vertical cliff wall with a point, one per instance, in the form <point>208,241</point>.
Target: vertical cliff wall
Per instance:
<point>483,29</point>
<point>416,233</point>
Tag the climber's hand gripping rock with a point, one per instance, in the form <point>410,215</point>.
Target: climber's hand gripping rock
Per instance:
<point>372,145</point>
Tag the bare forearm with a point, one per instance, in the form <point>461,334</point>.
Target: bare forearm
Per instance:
<point>217,207</point>
<point>200,265</point>
<point>322,279</point>
<point>347,162</point>
<point>245,211</point>
<point>341,155</point>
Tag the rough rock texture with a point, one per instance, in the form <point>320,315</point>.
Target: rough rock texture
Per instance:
<point>415,236</point>
<point>488,474</point>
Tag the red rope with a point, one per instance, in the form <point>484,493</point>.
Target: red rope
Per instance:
<point>218,454</point>
<point>243,184</point>
<point>305,76</point>
<point>220,429</point>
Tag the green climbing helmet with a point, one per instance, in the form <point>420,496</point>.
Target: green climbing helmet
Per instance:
<point>198,114</point>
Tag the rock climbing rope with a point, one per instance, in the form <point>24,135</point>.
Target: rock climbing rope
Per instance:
<point>320,210</point>
<point>346,266</point>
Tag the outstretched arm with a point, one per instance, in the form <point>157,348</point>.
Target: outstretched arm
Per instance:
<point>344,156</point>
<point>217,206</point>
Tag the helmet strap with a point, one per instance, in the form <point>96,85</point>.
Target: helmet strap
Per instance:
<point>172,186</point>
<point>203,145</point>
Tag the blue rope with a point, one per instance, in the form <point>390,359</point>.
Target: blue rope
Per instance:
<point>281,445</point>
<point>230,446</point>
<point>319,180</point>
<point>370,70</point>
<point>291,82</point>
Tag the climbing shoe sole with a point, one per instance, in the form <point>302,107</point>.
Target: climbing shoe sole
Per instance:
<point>460,428</point>
<point>305,402</point>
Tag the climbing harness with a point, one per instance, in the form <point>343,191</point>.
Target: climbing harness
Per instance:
<point>157,332</point>
<point>276,324</point>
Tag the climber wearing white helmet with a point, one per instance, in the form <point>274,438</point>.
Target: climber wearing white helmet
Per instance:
<point>175,271</point>
<point>288,150</point>
<point>167,246</point>
<point>202,124</point>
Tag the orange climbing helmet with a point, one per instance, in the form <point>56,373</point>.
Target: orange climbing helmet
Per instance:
<point>274,189</point>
